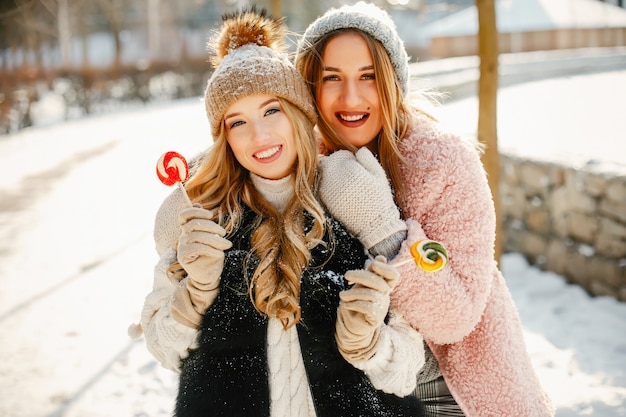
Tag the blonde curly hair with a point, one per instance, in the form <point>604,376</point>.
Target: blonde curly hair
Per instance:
<point>279,241</point>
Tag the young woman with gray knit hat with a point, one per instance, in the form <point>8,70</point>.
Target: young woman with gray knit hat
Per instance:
<point>357,69</point>
<point>246,300</point>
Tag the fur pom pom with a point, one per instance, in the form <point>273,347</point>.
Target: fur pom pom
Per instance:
<point>245,27</point>
<point>134,330</point>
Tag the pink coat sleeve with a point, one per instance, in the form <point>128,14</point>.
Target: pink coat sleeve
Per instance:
<point>447,199</point>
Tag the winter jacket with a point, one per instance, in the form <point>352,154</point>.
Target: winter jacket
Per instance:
<point>227,374</point>
<point>464,312</point>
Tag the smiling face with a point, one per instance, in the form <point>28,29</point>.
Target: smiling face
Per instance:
<point>348,98</point>
<point>261,136</point>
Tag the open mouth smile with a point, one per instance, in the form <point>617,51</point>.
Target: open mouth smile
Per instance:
<point>352,119</point>
<point>267,153</point>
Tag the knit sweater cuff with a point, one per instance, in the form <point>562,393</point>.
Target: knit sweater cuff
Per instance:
<point>389,247</point>
<point>168,340</point>
<point>398,359</point>
<point>383,232</point>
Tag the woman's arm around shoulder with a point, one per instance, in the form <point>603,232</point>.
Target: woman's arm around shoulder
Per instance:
<point>167,339</point>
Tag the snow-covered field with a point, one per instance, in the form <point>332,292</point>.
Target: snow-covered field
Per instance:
<point>576,118</point>
<point>77,201</point>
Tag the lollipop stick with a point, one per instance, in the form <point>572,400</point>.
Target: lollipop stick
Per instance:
<point>184,191</point>
<point>403,262</point>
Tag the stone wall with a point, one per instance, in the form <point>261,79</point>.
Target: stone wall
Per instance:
<point>568,217</point>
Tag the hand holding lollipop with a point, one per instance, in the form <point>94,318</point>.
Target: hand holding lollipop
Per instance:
<point>172,168</point>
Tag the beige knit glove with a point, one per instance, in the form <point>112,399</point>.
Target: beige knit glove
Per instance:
<point>363,309</point>
<point>355,189</point>
<point>201,249</point>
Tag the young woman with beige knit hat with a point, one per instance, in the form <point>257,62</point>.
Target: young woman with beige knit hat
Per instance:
<point>357,69</point>
<point>246,300</point>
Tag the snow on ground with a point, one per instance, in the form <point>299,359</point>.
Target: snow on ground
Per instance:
<point>580,117</point>
<point>77,202</point>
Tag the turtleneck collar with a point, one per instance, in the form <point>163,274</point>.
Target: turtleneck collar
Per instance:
<point>276,192</point>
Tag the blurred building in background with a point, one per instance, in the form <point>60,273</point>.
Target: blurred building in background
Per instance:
<point>92,54</point>
<point>529,25</point>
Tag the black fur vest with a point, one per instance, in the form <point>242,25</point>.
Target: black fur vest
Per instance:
<point>227,374</point>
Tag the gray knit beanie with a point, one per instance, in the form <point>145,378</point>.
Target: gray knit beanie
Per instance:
<point>370,19</point>
<point>249,60</point>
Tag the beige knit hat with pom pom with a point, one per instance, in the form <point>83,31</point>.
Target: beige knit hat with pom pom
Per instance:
<point>249,59</point>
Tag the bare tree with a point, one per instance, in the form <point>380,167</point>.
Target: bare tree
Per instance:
<point>113,11</point>
<point>487,108</point>
<point>65,34</point>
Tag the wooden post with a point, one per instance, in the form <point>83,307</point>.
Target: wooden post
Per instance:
<point>487,107</point>
<point>276,8</point>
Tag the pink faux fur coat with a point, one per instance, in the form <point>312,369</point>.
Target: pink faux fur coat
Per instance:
<point>465,311</point>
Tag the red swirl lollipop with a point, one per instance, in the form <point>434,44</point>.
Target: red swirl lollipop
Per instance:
<point>172,169</point>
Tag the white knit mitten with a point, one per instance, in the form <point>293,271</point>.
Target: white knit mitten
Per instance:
<point>355,189</point>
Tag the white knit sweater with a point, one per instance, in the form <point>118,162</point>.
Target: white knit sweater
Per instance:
<point>393,369</point>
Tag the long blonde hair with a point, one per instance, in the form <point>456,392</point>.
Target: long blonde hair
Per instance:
<point>279,241</point>
<point>396,112</point>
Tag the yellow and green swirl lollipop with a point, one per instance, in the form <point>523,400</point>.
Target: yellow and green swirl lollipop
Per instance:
<point>429,255</point>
